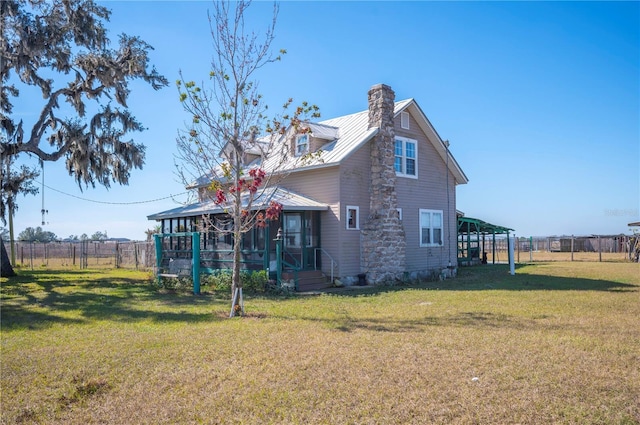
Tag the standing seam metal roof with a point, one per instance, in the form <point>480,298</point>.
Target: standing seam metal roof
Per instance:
<point>289,200</point>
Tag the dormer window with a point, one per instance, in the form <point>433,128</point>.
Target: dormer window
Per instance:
<point>302,144</point>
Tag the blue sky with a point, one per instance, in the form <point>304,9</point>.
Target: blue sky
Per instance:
<point>540,101</point>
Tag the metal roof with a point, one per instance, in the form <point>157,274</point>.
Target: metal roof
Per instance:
<point>289,200</point>
<point>351,132</point>
<point>474,225</point>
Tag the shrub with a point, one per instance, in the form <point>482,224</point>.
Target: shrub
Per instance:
<point>175,283</point>
<point>254,281</point>
<point>220,280</point>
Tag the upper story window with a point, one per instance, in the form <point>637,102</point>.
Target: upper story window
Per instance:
<point>404,120</point>
<point>430,227</point>
<point>302,144</point>
<point>406,154</point>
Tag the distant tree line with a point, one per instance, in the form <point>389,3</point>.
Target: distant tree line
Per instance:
<point>37,234</point>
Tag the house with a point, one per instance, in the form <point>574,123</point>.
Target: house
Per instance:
<point>377,199</point>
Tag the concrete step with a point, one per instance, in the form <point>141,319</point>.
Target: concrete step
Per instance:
<point>309,280</point>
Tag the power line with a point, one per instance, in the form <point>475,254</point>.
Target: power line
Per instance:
<point>113,203</point>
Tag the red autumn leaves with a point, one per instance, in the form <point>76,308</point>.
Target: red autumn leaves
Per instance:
<point>251,185</point>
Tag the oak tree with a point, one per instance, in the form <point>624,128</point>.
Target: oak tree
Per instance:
<point>61,49</point>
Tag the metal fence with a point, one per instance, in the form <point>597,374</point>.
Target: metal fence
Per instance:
<point>559,248</point>
<point>84,254</point>
<point>141,255</point>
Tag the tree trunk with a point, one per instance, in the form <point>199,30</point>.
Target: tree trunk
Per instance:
<point>236,283</point>
<point>7,269</point>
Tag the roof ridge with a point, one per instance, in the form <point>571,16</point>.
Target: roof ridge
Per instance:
<point>395,104</point>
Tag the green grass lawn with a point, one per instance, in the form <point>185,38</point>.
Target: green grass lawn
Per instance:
<point>556,343</point>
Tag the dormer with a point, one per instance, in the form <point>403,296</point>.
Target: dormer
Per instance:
<point>314,139</point>
<point>253,152</point>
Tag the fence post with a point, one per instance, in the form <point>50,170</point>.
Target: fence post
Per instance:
<point>195,244</point>
<point>571,247</point>
<point>116,259</point>
<point>599,249</point>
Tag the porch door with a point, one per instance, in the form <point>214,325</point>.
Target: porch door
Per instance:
<point>301,238</point>
<point>293,239</point>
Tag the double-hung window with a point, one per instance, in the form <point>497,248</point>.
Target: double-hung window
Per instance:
<point>406,155</point>
<point>302,144</point>
<point>431,228</point>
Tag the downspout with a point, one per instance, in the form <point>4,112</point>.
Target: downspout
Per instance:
<point>446,146</point>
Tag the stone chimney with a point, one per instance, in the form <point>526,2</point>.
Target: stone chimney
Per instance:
<point>382,236</point>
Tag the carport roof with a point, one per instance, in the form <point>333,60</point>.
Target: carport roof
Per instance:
<point>475,225</point>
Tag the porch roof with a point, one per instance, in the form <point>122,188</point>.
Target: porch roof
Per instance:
<point>289,200</point>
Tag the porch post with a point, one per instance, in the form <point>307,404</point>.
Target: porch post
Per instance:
<point>265,254</point>
<point>195,245</point>
<point>158,242</point>
<point>278,241</point>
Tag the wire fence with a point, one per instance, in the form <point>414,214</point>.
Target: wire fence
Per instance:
<point>141,255</point>
<point>84,254</point>
<point>558,248</point>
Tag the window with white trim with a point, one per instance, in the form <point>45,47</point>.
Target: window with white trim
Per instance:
<point>302,144</point>
<point>406,154</point>
<point>404,120</point>
<point>353,217</point>
<point>431,228</point>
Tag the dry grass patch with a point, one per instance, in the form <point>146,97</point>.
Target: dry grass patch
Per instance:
<point>556,343</point>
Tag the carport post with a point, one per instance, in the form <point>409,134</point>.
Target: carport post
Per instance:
<point>512,267</point>
<point>493,254</point>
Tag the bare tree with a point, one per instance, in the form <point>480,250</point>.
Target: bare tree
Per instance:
<point>231,149</point>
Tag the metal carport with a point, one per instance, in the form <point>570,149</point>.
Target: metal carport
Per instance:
<point>470,231</point>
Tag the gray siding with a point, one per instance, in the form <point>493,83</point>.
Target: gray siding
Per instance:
<point>355,183</point>
<point>349,184</point>
<point>322,185</point>
<point>429,191</point>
